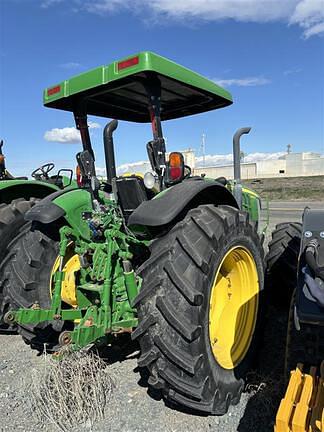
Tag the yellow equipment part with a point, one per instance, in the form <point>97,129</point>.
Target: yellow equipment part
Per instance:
<point>71,266</point>
<point>302,409</point>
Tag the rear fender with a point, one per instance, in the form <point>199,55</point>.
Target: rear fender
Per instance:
<point>171,204</point>
<point>13,189</point>
<point>69,204</point>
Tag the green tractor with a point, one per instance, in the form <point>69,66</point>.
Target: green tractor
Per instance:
<point>174,259</point>
<point>17,196</point>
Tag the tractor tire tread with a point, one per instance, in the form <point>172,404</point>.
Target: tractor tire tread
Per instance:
<point>281,262</point>
<point>12,225</point>
<point>171,346</point>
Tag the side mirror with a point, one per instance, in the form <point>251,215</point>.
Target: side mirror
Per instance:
<point>175,167</point>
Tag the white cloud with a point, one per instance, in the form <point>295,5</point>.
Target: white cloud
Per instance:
<point>47,3</point>
<point>71,65</point>
<point>314,30</point>
<point>67,135</point>
<point>242,82</point>
<point>101,172</point>
<point>134,167</point>
<point>308,14</point>
<point>108,6</point>
<point>292,71</point>
<point>131,167</point>
<point>239,10</point>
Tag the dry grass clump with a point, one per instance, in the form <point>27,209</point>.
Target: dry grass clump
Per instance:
<point>71,392</point>
<point>265,395</point>
<point>266,390</point>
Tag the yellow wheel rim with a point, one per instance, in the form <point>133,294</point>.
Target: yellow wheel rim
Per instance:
<point>233,307</point>
<point>71,266</point>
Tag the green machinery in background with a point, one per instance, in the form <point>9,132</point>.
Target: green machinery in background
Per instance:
<point>174,259</point>
<point>17,196</point>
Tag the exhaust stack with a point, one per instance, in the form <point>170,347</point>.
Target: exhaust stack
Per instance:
<point>237,190</point>
<point>109,150</point>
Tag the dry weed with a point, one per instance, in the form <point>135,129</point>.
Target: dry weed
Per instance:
<point>71,392</point>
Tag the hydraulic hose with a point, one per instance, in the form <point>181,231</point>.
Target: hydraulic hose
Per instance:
<point>311,258</point>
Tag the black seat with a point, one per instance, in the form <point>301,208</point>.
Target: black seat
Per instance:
<point>131,193</point>
<point>7,176</point>
<point>56,180</point>
<point>222,180</point>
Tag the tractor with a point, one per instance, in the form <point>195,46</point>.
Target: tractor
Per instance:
<point>17,196</point>
<point>296,254</point>
<point>175,260</point>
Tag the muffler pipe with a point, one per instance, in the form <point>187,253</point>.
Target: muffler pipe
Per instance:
<point>109,150</point>
<point>237,190</point>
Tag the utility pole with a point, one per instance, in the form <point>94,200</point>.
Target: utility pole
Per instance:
<point>289,146</point>
<point>203,147</point>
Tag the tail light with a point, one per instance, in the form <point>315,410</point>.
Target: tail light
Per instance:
<point>175,168</point>
<point>127,63</point>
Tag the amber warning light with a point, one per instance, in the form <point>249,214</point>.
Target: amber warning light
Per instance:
<point>175,167</point>
<point>79,178</point>
<point>127,63</point>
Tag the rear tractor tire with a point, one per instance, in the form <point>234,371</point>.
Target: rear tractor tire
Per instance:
<point>282,261</point>
<point>12,223</point>
<point>28,279</point>
<point>200,308</point>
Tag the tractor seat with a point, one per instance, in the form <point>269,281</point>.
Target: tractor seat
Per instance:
<point>56,180</point>
<point>132,192</point>
<point>8,176</point>
<point>222,180</point>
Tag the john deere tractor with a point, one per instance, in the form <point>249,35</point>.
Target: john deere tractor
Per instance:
<point>180,269</point>
<point>17,196</point>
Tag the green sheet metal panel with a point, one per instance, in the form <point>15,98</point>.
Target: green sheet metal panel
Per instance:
<point>116,90</point>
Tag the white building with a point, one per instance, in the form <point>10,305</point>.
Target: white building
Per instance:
<point>290,165</point>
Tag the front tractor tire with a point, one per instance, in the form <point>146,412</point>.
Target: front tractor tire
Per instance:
<point>200,308</point>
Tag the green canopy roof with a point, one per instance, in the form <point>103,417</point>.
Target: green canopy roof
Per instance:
<point>117,91</point>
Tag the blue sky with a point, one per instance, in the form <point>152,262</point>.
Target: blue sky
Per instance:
<point>269,54</point>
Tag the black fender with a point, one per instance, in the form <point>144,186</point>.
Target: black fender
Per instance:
<point>27,189</point>
<point>169,205</point>
<point>46,211</point>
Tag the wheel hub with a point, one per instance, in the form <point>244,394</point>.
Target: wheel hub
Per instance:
<point>233,307</point>
<point>70,267</point>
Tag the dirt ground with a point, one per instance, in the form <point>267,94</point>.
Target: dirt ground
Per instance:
<point>289,188</point>
<point>132,406</point>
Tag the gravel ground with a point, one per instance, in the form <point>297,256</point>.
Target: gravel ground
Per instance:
<point>132,407</point>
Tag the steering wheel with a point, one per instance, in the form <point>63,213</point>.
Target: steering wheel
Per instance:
<point>187,171</point>
<point>42,171</point>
